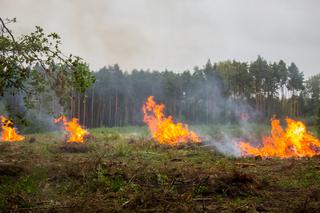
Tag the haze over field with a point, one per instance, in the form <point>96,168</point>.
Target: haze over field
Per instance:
<point>177,35</point>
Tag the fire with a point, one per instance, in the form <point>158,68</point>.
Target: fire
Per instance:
<point>294,141</point>
<point>162,128</point>
<point>76,132</point>
<point>9,133</point>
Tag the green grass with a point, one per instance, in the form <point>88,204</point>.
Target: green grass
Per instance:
<point>122,169</point>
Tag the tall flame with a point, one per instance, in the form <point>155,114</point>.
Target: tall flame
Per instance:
<point>294,141</point>
<point>162,128</point>
<point>76,132</point>
<point>9,133</point>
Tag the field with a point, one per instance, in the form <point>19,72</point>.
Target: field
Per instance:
<point>122,169</point>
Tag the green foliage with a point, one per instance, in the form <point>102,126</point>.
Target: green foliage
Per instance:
<point>28,184</point>
<point>162,179</point>
<point>295,81</point>
<point>318,122</point>
<point>109,136</point>
<point>103,182</point>
<point>83,78</point>
<point>312,95</point>
<point>306,177</point>
<point>34,63</point>
<point>200,190</point>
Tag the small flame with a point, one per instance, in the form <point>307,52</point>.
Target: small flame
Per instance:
<point>76,132</point>
<point>294,141</point>
<point>9,133</point>
<point>162,128</point>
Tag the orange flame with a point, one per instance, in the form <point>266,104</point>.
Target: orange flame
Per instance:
<point>9,133</point>
<point>294,141</point>
<point>162,128</point>
<point>76,132</point>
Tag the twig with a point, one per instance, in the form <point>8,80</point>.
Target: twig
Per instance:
<point>240,207</point>
<point>170,187</point>
<point>131,179</point>
<point>125,203</point>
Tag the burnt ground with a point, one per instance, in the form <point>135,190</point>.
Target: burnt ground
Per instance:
<point>115,174</point>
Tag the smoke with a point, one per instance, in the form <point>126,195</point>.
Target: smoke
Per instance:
<point>230,119</point>
<point>226,145</point>
<point>224,137</point>
<point>175,34</point>
<point>29,120</point>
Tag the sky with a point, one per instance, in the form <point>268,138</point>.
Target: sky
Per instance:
<point>176,34</point>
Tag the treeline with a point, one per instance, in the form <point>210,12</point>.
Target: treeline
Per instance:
<point>226,91</point>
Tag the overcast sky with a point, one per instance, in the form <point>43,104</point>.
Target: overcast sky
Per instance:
<point>176,34</point>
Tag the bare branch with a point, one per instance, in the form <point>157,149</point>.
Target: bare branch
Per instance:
<point>5,27</point>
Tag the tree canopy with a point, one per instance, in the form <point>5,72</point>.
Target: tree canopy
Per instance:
<point>32,64</point>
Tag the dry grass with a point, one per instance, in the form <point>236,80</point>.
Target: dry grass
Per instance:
<point>118,173</point>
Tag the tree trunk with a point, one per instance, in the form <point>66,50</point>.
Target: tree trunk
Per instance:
<point>84,109</point>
